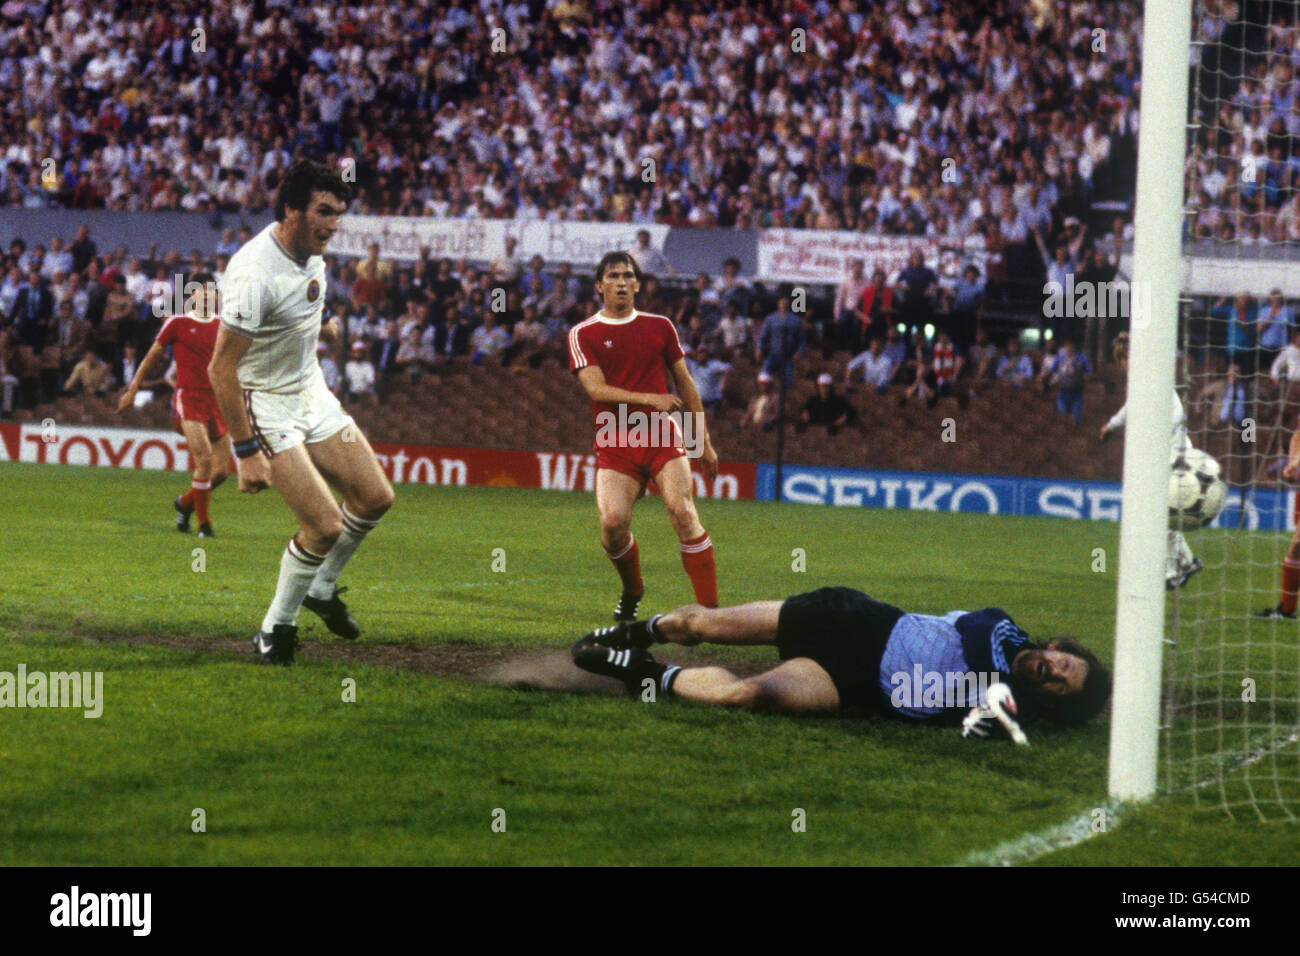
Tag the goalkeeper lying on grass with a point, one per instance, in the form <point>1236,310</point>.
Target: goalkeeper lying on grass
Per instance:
<point>842,651</point>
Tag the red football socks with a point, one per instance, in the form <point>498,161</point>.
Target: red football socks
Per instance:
<point>697,559</point>
<point>627,561</point>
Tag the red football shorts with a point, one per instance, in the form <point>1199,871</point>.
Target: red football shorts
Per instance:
<point>198,405</point>
<point>641,464</point>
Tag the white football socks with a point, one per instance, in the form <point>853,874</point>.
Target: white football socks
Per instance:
<point>354,532</point>
<point>297,568</point>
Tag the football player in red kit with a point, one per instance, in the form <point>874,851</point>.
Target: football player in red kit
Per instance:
<point>192,338</point>
<point>622,357</point>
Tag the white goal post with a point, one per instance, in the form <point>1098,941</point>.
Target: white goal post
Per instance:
<point>1154,305</point>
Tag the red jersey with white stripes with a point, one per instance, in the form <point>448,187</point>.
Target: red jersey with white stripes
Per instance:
<point>192,341</point>
<point>634,353</point>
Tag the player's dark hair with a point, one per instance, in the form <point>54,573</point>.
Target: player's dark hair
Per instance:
<point>304,178</point>
<point>612,258</point>
<point>1074,710</point>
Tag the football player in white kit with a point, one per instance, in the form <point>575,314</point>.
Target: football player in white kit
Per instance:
<point>287,429</point>
<point>1180,563</point>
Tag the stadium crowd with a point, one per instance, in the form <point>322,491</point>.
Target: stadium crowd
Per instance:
<point>973,122</point>
<point>557,109</point>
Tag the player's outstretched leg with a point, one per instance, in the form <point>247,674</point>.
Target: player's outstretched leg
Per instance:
<point>677,486</point>
<point>752,623</point>
<point>615,495</point>
<point>794,686</point>
<point>347,462</point>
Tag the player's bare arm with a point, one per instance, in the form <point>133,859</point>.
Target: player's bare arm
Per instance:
<point>254,469</point>
<point>593,380</point>
<point>330,330</point>
<point>690,398</point>
<point>1292,470</point>
<point>128,394</point>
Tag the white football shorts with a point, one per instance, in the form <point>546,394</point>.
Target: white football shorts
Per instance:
<point>281,421</point>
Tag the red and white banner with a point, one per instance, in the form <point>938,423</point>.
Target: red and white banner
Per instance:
<point>406,463</point>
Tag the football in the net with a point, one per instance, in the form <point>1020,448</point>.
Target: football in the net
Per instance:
<point>1196,490</point>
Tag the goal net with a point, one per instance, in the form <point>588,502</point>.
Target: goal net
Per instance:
<point>1230,714</point>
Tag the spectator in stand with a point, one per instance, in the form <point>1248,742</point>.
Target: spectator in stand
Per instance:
<point>1068,373</point>
<point>33,309</point>
<point>556,302</point>
<point>1285,370</point>
<point>8,381</point>
<point>734,291</point>
<point>536,271</point>
<point>410,356</point>
<point>508,268</point>
<point>781,340</point>
<point>873,366</point>
<point>360,375</point>
<point>710,376</point>
<point>528,345</point>
<point>386,353</point>
<point>489,341</point>
<point>1274,323</point>
<point>919,284</point>
<point>83,250</point>
<point>649,260</point>
<point>1098,272</point>
<point>1015,368</point>
<point>369,290</point>
<point>982,360</point>
<point>91,374</point>
<point>918,373</point>
<point>452,337</point>
<point>329,368</point>
<point>735,333</point>
<point>1239,321</point>
<point>826,408</point>
<point>846,312</point>
<point>947,364</point>
<point>895,349</point>
<point>763,408</point>
<point>71,334</point>
<point>967,306</point>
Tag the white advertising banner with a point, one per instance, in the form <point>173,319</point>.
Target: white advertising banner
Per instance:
<point>823,256</point>
<point>402,237</point>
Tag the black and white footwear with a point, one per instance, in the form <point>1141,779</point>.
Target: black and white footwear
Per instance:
<point>205,531</point>
<point>182,515</point>
<point>1188,569</point>
<point>335,614</point>
<point>1275,614</point>
<point>629,664</point>
<point>626,634</point>
<point>278,646</point>
<point>625,609</point>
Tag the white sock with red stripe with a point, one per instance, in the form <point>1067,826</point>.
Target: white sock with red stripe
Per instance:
<point>354,532</point>
<point>297,568</point>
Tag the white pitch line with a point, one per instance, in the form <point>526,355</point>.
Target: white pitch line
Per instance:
<point>1033,846</point>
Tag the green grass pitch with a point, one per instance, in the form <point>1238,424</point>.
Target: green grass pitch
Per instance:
<point>417,769</point>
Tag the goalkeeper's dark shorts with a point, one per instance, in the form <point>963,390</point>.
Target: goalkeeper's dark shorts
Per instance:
<point>845,632</point>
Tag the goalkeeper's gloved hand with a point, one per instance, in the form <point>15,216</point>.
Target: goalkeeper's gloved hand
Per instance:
<point>999,709</point>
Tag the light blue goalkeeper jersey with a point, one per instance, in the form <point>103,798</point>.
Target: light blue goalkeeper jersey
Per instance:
<point>936,667</point>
